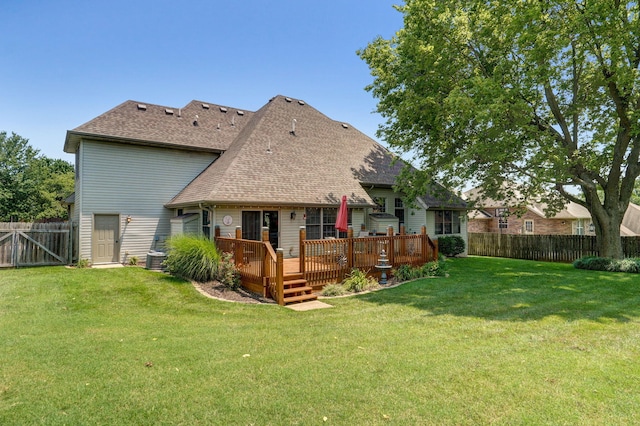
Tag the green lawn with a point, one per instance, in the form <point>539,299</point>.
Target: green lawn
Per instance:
<point>498,342</point>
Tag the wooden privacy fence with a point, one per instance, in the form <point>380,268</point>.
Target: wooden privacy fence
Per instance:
<point>553,248</point>
<point>35,244</point>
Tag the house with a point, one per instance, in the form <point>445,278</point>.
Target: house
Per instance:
<point>145,172</point>
<point>493,216</point>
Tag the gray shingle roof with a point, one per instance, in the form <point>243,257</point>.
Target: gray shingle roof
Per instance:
<point>138,122</point>
<point>317,164</point>
<point>264,160</point>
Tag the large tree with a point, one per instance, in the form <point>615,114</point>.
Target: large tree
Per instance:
<point>32,186</point>
<point>544,94</point>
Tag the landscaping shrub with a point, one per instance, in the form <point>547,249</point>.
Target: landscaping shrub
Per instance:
<point>83,263</point>
<point>192,257</point>
<point>595,263</point>
<point>451,245</point>
<point>227,273</point>
<point>331,290</point>
<point>433,269</point>
<point>430,269</point>
<point>406,273</point>
<point>358,281</point>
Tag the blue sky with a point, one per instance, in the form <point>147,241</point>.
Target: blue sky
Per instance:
<point>65,62</point>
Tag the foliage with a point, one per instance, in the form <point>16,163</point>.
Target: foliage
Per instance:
<point>430,269</point>
<point>607,264</point>
<point>192,257</point>
<point>358,281</point>
<point>32,186</point>
<point>545,95</point>
<point>451,245</point>
<point>227,272</point>
<point>83,263</point>
<point>332,290</point>
<point>133,260</point>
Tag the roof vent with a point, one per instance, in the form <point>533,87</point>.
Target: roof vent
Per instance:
<point>205,106</point>
<point>240,112</point>
<point>345,125</point>
<point>142,107</point>
<point>168,111</point>
<point>218,128</point>
<point>223,109</point>
<point>195,122</point>
<point>301,102</point>
<point>233,121</point>
<point>293,127</point>
<point>287,99</point>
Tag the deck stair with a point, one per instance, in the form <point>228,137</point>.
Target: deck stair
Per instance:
<point>296,289</point>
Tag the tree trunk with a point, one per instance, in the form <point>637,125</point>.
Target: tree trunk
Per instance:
<point>609,240</point>
<point>607,220</point>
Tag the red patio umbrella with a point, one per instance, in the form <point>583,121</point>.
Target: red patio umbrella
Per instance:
<point>343,216</point>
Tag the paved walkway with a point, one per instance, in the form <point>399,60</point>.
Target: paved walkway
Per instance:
<point>308,306</point>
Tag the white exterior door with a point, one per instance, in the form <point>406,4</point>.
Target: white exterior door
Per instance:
<point>106,231</point>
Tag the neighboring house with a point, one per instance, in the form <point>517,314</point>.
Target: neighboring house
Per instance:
<point>145,172</point>
<point>497,217</point>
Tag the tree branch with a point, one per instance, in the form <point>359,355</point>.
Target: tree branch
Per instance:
<point>555,110</point>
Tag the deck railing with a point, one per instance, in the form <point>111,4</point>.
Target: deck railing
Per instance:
<point>323,262</point>
<point>257,263</point>
<point>328,261</point>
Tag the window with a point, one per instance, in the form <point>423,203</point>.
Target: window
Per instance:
<point>447,222</point>
<point>321,223</point>
<point>580,227</point>
<point>329,217</point>
<point>314,215</point>
<point>502,215</point>
<point>381,205</point>
<point>528,226</point>
<point>399,211</point>
<point>206,224</point>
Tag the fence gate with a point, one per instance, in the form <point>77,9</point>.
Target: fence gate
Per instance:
<point>34,244</point>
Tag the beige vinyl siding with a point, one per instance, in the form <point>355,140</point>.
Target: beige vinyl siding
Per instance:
<point>133,181</point>
<point>357,219</point>
<point>415,220</point>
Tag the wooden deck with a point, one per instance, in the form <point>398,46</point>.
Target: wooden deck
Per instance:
<point>292,266</point>
<point>321,262</point>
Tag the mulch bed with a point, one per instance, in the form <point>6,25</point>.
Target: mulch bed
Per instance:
<point>217,290</point>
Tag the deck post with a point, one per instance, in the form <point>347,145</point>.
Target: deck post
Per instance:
<point>350,247</point>
<point>435,250</point>
<point>266,264</point>
<point>403,242</point>
<point>390,250</point>
<point>425,243</point>
<point>303,237</point>
<point>238,255</point>
<point>280,275</point>
<point>216,232</point>
<point>265,233</point>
